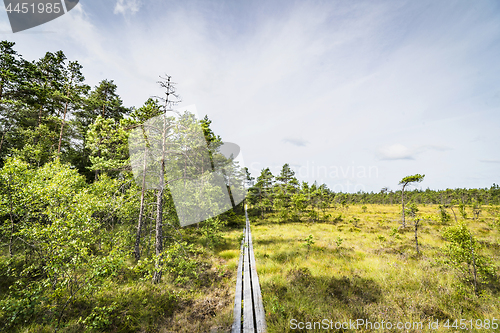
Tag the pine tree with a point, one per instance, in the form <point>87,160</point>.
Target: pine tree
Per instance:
<point>73,90</point>
<point>9,81</point>
<point>286,179</point>
<point>107,142</point>
<point>102,101</point>
<point>264,185</point>
<point>405,181</point>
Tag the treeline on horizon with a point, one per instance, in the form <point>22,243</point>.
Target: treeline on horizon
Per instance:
<point>464,196</point>
<point>284,194</point>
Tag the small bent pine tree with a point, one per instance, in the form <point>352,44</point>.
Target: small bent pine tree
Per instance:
<point>405,182</point>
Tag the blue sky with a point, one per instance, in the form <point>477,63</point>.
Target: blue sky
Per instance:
<point>354,94</point>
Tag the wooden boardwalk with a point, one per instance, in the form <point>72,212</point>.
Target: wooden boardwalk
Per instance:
<point>249,315</point>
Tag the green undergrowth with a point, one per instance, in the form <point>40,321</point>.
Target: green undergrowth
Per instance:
<point>196,293</point>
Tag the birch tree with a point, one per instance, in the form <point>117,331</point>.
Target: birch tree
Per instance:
<point>149,110</point>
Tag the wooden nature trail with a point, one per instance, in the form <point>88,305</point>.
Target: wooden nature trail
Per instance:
<point>249,315</point>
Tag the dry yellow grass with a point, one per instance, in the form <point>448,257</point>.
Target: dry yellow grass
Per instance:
<point>375,273</point>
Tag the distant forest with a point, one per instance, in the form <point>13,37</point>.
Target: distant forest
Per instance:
<point>285,195</point>
<point>483,196</point>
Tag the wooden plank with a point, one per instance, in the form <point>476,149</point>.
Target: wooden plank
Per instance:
<point>248,298</point>
<point>260,315</point>
<point>236,328</point>
<point>248,325</point>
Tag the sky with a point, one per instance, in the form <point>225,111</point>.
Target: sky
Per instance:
<point>353,94</point>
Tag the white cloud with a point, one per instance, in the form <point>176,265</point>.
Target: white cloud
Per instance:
<point>296,141</point>
<point>400,152</point>
<point>124,6</point>
<point>396,152</point>
<point>424,148</point>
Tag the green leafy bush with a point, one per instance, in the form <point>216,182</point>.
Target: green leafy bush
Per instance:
<point>444,216</point>
<point>211,230</point>
<point>463,254</point>
<point>309,241</point>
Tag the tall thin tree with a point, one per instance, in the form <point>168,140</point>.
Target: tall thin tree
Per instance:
<point>171,98</point>
<point>405,182</point>
<point>149,110</point>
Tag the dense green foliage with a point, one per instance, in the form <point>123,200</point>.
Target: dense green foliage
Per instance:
<point>73,253</point>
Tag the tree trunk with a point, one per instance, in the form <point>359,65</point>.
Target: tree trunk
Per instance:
<point>1,96</point>
<point>62,127</point>
<point>1,88</point>
<point>96,172</point>
<point>159,234</point>
<point>1,140</point>
<point>261,207</point>
<point>149,230</point>
<point>11,240</point>
<point>451,207</point>
<point>416,235</point>
<point>40,116</point>
<point>141,210</point>
<point>474,263</point>
<point>159,207</point>
<point>403,204</point>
